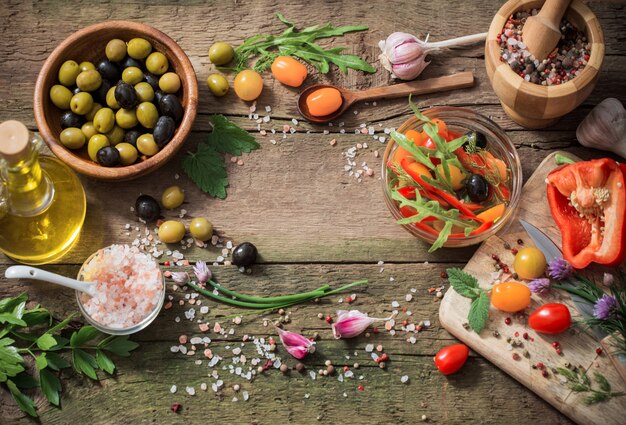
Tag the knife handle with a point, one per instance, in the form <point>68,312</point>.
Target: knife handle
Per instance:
<point>618,360</point>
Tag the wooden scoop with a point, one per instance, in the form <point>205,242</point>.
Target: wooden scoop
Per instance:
<point>432,85</point>
<point>541,32</point>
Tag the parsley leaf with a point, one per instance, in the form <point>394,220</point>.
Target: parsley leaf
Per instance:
<point>227,137</point>
<point>463,283</point>
<point>479,312</point>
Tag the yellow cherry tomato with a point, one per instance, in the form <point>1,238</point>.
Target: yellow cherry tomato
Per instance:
<point>510,296</point>
<point>248,85</point>
<point>419,169</point>
<point>457,177</point>
<point>529,263</point>
<point>289,71</point>
<point>324,101</point>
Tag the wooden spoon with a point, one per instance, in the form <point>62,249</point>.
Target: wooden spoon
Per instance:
<point>541,32</point>
<point>432,85</point>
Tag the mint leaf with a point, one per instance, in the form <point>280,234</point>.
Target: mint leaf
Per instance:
<point>56,362</point>
<point>105,362</point>
<point>207,170</point>
<point>84,335</point>
<point>479,312</point>
<point>119,345</point>
<point>50,386</point>
<point>463,283</point>
<point>24,402</point>
<point>46,342</point>
<point>227,137</point>
<point>84,363</point>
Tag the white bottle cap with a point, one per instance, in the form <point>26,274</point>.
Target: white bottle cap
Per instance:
<point>14,141</point>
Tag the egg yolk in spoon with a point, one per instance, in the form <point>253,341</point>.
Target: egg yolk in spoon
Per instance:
<point>324,101</point>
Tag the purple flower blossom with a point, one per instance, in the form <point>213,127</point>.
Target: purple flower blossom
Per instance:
<point>559,269</point>
<point>202,272</point>
<point>539,286</point>
<point>605,307</point>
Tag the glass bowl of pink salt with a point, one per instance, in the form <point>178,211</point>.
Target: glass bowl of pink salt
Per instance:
<point>129,292</point>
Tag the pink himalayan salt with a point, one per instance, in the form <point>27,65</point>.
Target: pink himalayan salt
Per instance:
<point>129,286</point>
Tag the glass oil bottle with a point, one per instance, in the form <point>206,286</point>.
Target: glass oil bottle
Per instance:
<point>42,202</point>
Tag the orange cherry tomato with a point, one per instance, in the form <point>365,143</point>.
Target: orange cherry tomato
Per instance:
<point>324,101</point>
<point>442,128</point>
<point>414,135</point>
<point>248,85</point>
<point>510,296</point>
<point>400,153</point>
<point>420,169</point>
<point>289,71</point>
<point>451,358</point>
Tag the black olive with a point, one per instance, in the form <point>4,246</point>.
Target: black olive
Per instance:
<point>131,137</point>
<point>478,138</point>
<point>108,156</point>
<point>147,208</point>
<point>127,62</point>
<point>126,95</point>
<point>477,188</point>
<point>151,79</point>
<point>164,131</point>
<point>244,254</point>
<point>75,90</point>
<point>109,70</point>
<point>100,95</point>
<point>70,119</point>
<point>170,106</point>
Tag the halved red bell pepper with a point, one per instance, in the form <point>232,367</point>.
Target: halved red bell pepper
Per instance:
<point>588,203</point>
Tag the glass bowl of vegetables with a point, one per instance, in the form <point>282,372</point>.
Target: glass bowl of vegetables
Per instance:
<point>451,177</point>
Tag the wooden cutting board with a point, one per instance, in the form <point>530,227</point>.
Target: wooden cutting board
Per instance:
<point>578,348</point>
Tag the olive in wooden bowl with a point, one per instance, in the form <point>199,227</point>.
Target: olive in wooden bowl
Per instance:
<point>129,85</point>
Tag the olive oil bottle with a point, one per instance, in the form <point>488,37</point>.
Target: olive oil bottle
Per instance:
<point>42,202</point>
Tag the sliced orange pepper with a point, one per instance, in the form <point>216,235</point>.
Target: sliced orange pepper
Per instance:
<point>493,213</point>
<point>400,153</point>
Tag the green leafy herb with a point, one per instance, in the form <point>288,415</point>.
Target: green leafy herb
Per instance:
<point>206,166</point>
<point>300,43</point>
<point>561,159</point>
<point>578,381</point>
<point>37,338</point>
<point>467,285</point>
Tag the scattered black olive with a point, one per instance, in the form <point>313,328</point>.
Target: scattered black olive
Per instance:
<point>170,106</point>
<point>108,156</point>
<point>109,70</point>
<point>147,208</point>
<point>131,137</point>
<point>70,119</point>
<point>479,139</point>
<point>244,254</point>
<point>164,130</point>
<point>128,62</point>
<point>100,95</point>
<point>477,188</point>
<point>126,95</point>
<point>153,80</point>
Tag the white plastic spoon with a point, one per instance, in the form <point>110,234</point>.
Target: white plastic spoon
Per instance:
<point>27,272</point>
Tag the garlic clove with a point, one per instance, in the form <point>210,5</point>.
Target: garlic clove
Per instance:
<point>605,127</point>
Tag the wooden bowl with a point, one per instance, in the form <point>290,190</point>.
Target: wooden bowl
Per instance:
<point>533,105</point>
<point>88,45</point>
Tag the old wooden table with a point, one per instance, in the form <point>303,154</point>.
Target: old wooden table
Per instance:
<point>311,221</point>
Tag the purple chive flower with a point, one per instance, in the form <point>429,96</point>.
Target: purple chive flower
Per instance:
<point>559,269</point>
<point>605,307</point>
<point>202,272</point>
<point>539,286</point>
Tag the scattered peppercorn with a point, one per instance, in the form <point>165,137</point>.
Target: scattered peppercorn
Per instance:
<point>507,321</point>
<point>516,356</point>
<point>382,365</point>
<point>444,275</point>
<point>361,388</point>
<point>520,242</point>
<point>494,257</point>
<point>599,351</point>
<point>515,276</point>
<point>514,251</point>
<point>525,335</point>
<point>507,245</point>
<point>544,373</point>
<point>330,370</point>
<point>300,367</point>
<point>176,407</point>
<point>284,368</point>
<point>329,319</point>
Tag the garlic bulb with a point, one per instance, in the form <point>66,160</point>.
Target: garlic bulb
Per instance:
<point>605,127</point>
<point>404,55</point>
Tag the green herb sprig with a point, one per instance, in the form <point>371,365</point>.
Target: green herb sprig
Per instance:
<point>29,332</point>
<point>300,43</point>
<point>579,382</point>
<point>467,285</point>
<point>206,166</point>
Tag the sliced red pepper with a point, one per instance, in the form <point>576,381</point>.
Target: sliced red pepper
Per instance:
<point>600,197</point>
<point>407,192</point>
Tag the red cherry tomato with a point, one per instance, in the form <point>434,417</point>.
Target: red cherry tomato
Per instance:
<point>451,358</point>
<point>552,318</point>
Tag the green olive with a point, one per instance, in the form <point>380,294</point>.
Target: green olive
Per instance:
<point>86,66</point>
<point>68,73</point>
<point>169,82</point>
<point>157,63</point>
<point>172,197</point>
<point>145,92</point>
<point>104,120</point>
<point>126,118</point>
<point>128,153</point>
<point>96,143</point>
<point>147,114</point>
<point>201,229</point>
<point>81,103</point>
<point>116,135</point>
<point>132,75</point>
<point>111,100</point>
<point>115,50</point>
<point>88,130</point>
<point>139,48</point>
<point>60,96</point>
<point>221,53</point>
<point>218,84</point>
<point>92,112</point>
<point>89,80</point>
<point>146,144</point>
<point>72,138</point>
<point>171,231</point>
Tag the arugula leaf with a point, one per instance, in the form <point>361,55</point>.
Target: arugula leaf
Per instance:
<point>442,238</point>
<point>84,335</point>
<point>23,401</point>
<point>120,345</point>
<point>227,137</point>
<point>207,170</point>
<point>46,341</point>
<point>105,362</point>
<point>50,386</point>
<point>56,362</point>
<point>479,312</point>
<point>463,283</point>
<point>84,363</point>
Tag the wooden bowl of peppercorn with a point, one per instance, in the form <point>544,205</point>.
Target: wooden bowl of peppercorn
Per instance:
<point>540,104</point>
